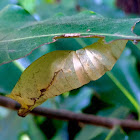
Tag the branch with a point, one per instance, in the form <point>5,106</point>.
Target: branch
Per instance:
<point>70,116</point>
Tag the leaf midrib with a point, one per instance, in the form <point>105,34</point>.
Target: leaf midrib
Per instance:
<point>60,34</point>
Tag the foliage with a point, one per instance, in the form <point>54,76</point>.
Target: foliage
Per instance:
<point>37,33</point>
<point>116,94</point>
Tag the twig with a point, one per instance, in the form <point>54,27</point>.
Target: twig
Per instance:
<point>70,116</point>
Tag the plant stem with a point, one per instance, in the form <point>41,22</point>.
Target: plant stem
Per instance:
<point>81,42</point>
<point>111,133</point>
<point>18,65</point>
<point>71,116</point>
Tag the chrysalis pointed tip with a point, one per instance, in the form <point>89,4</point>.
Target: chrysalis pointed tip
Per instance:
<point>22,112</point>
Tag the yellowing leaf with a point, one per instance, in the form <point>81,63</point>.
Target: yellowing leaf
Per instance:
<point>61,71</point>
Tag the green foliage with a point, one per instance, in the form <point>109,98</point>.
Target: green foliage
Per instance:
<point>12,72</point>
<point>29,5</point>
<point>110,91</point>
<point>94,133</point>
<point>30,34</point>
<point>103,97</point>
<point>17,126</point>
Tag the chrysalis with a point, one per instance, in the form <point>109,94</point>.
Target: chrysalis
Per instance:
<point>61,71</point>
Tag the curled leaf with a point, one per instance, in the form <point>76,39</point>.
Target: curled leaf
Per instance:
<point>61,71</point>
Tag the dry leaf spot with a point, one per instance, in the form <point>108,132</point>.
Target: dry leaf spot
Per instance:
<point>43,90</point>
<point>88,30</point>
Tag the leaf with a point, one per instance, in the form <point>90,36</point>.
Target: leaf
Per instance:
<point>47,9</point>
<point>29,5</point>
<point>99,133</point>
<point>3,3</point>
<point>107,8</point>
<point>90,132</point>
<point>9,75</point>
<point>12,126</point>
<point>33,130</point>
<point>77,102</point>
<point>61,71</point>
<point>116,134</point>
<point>126,73</point>
<point>19,39</point>
<point>134,135</point>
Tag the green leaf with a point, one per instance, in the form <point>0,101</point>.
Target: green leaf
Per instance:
<point>78,101</point>
<point>9,75</point>
<point>20,38</point>
<point>90,132</point>
<point>137,29</point>
<point>134,135</point>
<point>33,130</point>
<point>29,5</point>
<point>46,9</point>
<point>126,73</point>
<point>12,126</point>
<point>72,43</point>
<point>106,8</point>
<point>119,112</point>
<point>3,3</point>
<point>116,134</point>
<point>95,133</point>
